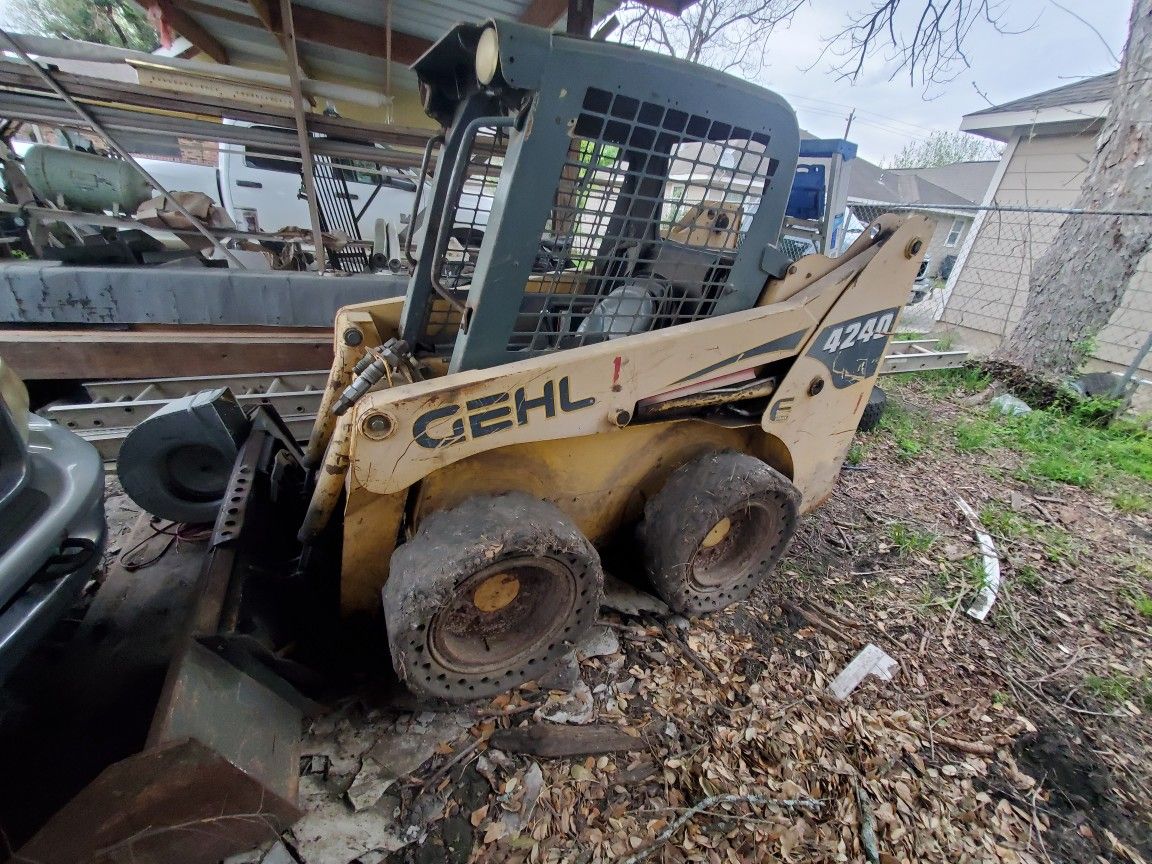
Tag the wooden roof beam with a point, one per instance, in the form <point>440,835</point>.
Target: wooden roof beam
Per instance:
<point>187,26</point>
<point>323,28</point>
<point>545,13</point>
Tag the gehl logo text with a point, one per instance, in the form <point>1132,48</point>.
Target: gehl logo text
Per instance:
<point>451,424</point>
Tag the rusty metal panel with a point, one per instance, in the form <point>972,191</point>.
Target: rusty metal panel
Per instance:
<point>43,293</point>
<point>215,703</point>
<point>178,803</point>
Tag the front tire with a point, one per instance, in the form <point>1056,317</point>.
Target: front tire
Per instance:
<point>488,595</point>
<point>716,530</point>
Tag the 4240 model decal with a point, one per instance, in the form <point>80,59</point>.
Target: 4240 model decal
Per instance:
<point>852,349</point>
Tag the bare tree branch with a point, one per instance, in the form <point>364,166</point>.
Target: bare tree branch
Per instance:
<point>923,38</point>
<point>725,34</point>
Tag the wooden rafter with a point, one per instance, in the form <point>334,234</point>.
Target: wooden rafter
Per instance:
<point>270,16</point>
<point>545,13</point>
<point>324,28</point>
<point>178,18</point>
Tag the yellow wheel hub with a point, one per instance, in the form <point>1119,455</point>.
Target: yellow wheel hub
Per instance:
<point>719,532</point>
<point>496,592</point>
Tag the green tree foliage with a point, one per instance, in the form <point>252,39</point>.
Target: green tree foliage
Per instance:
<point>109,22</point>
<point>943,148</point>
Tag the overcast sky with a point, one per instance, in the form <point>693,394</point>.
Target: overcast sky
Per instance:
<point>1057,50</point>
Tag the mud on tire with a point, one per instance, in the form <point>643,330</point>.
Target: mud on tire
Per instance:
<point>487,595</point>
<point>717,529</point>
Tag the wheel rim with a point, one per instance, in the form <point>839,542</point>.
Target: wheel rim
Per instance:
<point>508,614</point>
<point>737,547</point>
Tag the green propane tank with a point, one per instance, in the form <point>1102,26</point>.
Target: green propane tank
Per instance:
<point>86,181</point>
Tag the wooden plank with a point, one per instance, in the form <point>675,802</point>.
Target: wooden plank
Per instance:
<point>552,741</point>
<point>190,29</point>
<point>52,354</point>
<point>544,13</point>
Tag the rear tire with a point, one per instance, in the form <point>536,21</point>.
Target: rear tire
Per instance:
<point>716,530</point>
<point>488,595</point>
<point>873,411</point>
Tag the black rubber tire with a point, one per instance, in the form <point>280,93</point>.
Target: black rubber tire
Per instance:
<point>761,502</point>
<point>424,611</point>
<point>873,411</point>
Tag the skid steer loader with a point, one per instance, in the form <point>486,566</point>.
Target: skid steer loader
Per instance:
<point>667,386</point>
<point>669,380</point>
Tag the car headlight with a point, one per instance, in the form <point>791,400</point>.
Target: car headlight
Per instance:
<point>13,401</point>
<point>487,56</point>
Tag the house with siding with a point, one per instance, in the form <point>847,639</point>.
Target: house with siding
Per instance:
<point>935,192</point>
<point>1050,139</point>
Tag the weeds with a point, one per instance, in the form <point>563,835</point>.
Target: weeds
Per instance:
<point>1063,448</point>
<point>910,540</point>
<point>1117,689</point>
<point>941,383</point>
<point>1131,502</point>
<point>855,454</point>
<point>1027,576</point>
<point>912,432</point>
<point>1142,603</point>
<point>1003,522</point>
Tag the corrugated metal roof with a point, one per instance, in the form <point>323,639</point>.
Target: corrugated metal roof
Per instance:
<point>236,27</point>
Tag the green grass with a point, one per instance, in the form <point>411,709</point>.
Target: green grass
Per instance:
<point>909,540</point>
<point>1132,502</point>
<point>1142,603</point>
<point>945,341</point>
<point>1027,576</point>
<point>855,454</point>
<point>1003,522</point>
<point>912,431</point>
<point>1117,688</point>
<point>1064,448</point>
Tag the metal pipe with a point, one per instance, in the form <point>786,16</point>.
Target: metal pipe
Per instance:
<point>82,112</point>
<point>35,108</point>
<point>455,185</point>
<point>67,49</point>
<point>420,181</point>
<point>1121,386</point>
<point>329,482</point>
<point>320,254</point>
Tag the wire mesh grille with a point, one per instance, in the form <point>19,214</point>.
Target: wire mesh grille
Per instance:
<point>468,212</point>
<point>652,204</point>
<point>647,218</point>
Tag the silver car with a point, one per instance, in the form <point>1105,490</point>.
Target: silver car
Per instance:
<point>52,530</point>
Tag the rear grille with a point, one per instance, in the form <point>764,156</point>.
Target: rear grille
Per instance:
<point>651,207</point>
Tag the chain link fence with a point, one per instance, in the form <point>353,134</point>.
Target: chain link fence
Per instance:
<point>974,284</point>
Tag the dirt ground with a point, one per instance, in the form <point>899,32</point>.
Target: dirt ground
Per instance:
<point>1021,738</point>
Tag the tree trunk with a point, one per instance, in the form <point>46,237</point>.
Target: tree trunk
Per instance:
<point>1078,283</point>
